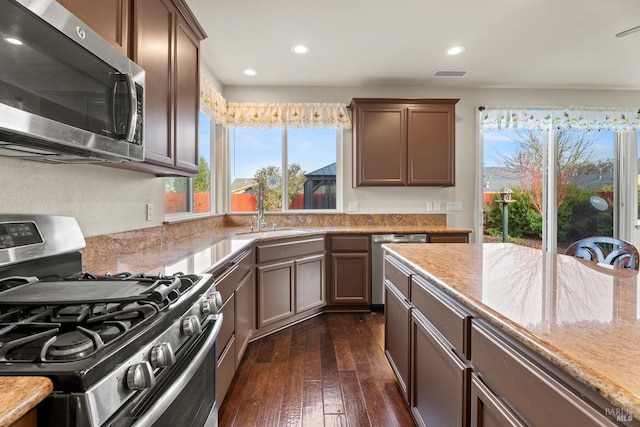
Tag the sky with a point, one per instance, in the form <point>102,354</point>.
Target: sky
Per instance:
<point>495,142</point>
<point>252,149</point>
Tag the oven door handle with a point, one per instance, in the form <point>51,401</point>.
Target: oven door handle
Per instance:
<point>162,404</point>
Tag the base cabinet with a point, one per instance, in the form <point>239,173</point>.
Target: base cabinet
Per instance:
<point>487,410</point>
<point>310,288</point>
<point>235,282</point>
<point>397,321</point>
<point>448,238</point>
<point>396,337</point>
<point>524,388</point>
<point>244,314</point>
<point>350,268</point>
<point>290,280</point>
<point>466,371</point>
<point>439,378</point>
<point>275,292</point>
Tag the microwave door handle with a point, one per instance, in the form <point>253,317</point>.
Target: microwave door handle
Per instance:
<point>133,108</point>
<point>165,400</point>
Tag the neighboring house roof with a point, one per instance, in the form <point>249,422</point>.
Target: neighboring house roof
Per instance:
<point>593,181</point>
<point>329,170</point>
<point>241,185</point>
<point>495,179</point>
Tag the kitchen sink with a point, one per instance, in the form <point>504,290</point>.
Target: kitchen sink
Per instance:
<point>278,232</point>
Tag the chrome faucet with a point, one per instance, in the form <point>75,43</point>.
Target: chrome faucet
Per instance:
<point>261,222</point>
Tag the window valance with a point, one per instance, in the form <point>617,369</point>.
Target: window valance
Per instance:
<point>211,102</point>
<point>302,115</point>
<point>270,115</point>
<point>578,118</point>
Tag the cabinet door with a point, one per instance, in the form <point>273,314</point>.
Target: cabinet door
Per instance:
<point>487,410</point>
<point>187,97</point>
<point>245,318</point>
<point>438,378</point>
<point>275,292</point>
<point>396,334</point>
<point>380,153</point>
<point>350,278</point>
<point>448,238</point>
<point>153,51</point>
<point>109,18</point>
<point>310,283</point>
<point>431,145</point>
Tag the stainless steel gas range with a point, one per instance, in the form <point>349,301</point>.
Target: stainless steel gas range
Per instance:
<point>121,350</point>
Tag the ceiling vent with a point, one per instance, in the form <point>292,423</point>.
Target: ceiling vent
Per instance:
<point>450,73</point>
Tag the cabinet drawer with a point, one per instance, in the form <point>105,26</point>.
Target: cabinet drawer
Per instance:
<point>525,388</point>
<point>449,319</point>
<point>289,249</point>
<point>448,238</point>
<point>228,327</point>
<point>225,371</point>
<point>349,243</point>
<point>228,280</point>
<point>487,409</point>
<point>398,275</point>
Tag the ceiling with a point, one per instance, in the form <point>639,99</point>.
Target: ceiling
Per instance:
<point>508,43</point>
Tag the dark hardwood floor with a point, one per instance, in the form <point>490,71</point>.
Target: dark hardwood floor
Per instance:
<point>327,371</point>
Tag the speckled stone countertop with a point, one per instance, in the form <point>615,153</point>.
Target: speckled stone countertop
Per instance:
<point>199,246</point>
<point>581,316</point>
<point>18,395</point>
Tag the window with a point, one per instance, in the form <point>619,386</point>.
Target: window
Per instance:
<point>296,166</point>
<point>184,196</point>
<point>588,189</point>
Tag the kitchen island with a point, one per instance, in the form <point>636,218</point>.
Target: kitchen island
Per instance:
<point>19,397</point>
<point>572,325</point>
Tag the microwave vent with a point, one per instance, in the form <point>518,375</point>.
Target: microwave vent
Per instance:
<point>450,73</point>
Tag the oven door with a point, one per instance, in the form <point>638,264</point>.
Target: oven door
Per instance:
<point>185,396</point>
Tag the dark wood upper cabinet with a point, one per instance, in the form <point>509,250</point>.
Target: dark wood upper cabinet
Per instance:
<point>109,18</point>
<point>163,37</point>
<point>403,142</point>
<point>166,43</point>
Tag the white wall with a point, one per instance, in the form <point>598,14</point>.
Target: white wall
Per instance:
<point>103,199</point>
<point>413,200</point>
<point>107,200</point>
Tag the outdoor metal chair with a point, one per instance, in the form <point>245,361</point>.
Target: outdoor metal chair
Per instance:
<point>606,250</point>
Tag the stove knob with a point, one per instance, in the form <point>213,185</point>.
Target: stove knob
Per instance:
<point>162,355</point>
<point>140,376</point>
<point>216,297</point>
<point>191,326</point>
<point>208,307</point>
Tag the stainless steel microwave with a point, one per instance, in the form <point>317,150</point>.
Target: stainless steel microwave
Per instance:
<point>66,94</point>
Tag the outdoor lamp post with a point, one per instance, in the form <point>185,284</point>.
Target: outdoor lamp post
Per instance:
<point>505,199</point>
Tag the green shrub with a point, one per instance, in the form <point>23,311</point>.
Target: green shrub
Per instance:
<point>523,220</point>
<point>577,218</point>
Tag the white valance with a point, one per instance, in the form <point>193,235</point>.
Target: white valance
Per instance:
<point>211,102</point>
<point>302,115</point>
<point>578,118</point>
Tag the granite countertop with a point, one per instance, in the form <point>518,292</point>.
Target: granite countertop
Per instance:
<point>202,252</point>
<point>581,316</point>
<point>19,395</point>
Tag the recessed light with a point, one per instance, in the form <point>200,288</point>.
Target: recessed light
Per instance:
<point>300,49</point>
<point>455,50</point>
<point>14,41</point>
<point>249,72</point>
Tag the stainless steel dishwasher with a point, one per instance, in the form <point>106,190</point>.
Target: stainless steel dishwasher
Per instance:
<point>377,263</point>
